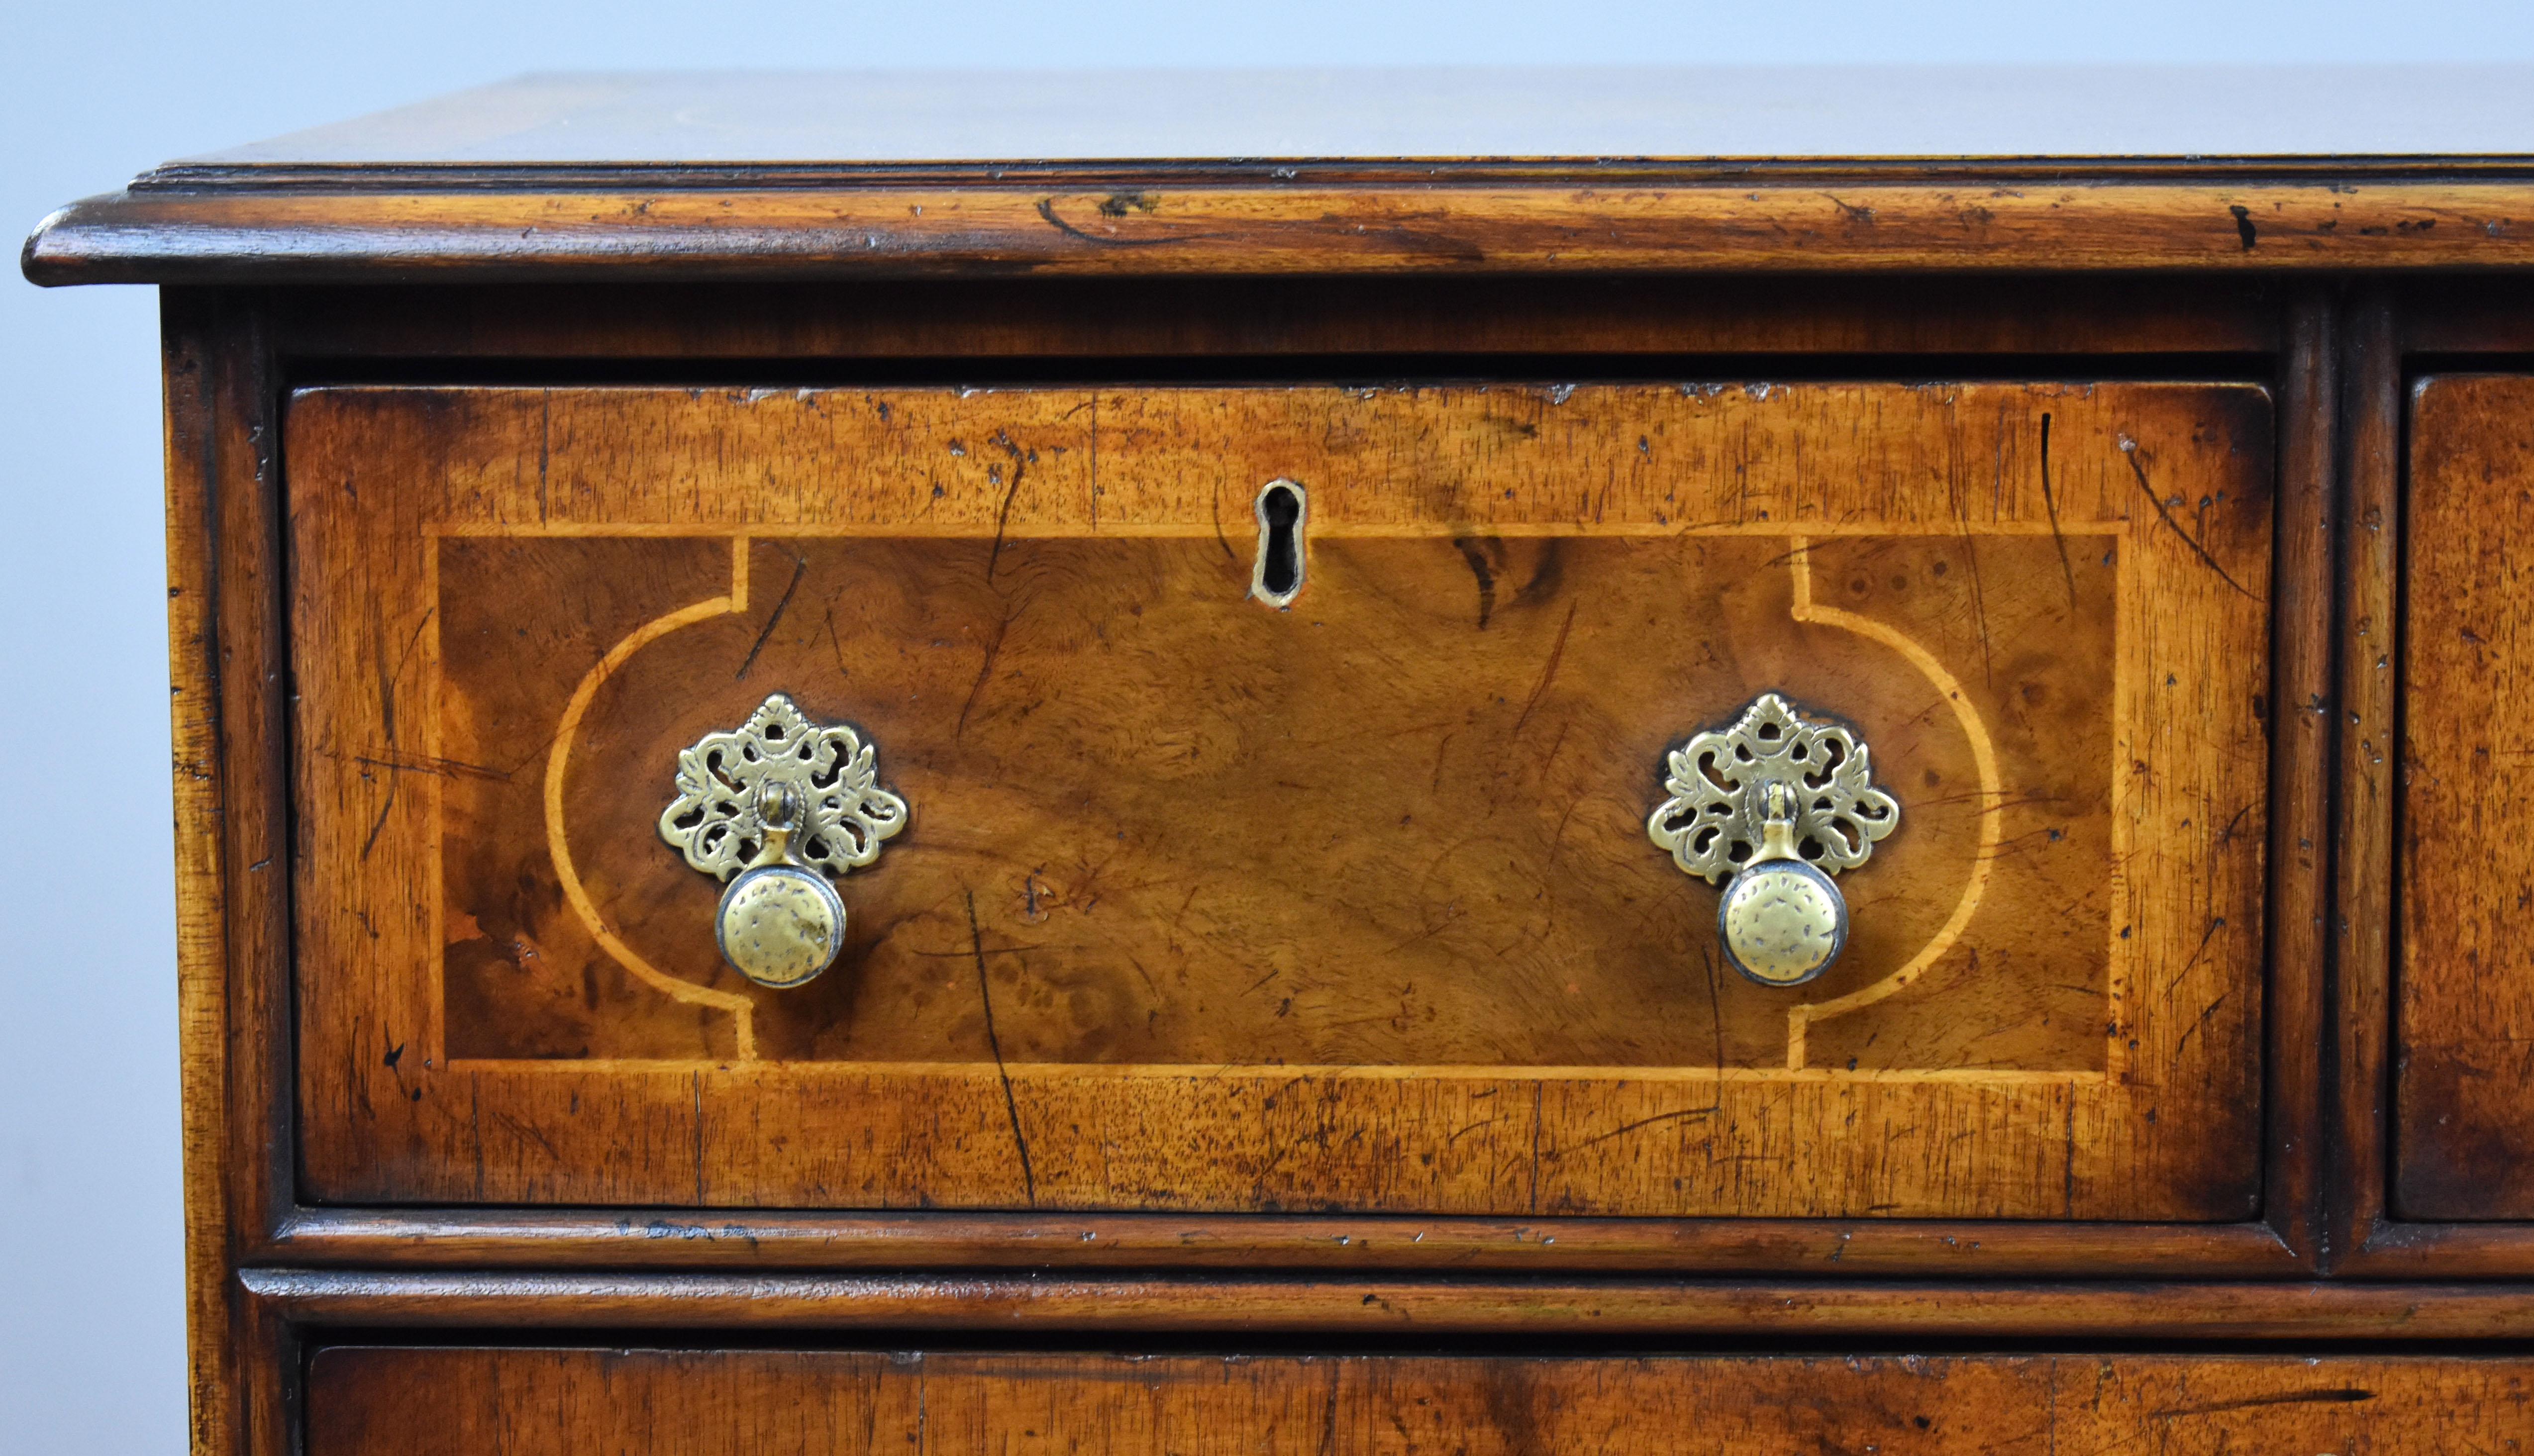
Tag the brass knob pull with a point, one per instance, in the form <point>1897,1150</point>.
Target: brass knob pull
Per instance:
<point>773,808</point>
<point>1772,804</point>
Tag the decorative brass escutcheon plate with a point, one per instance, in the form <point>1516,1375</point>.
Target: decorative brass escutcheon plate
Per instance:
<point>1779,802</point>
<point>781,804</point>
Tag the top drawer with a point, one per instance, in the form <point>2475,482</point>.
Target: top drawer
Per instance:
<point>1200,903</point>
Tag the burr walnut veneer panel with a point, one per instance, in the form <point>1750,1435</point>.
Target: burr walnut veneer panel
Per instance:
<point>387,1401</point>
<point>1206,905</point>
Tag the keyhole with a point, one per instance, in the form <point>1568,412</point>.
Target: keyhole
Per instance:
<point>1278,577</point>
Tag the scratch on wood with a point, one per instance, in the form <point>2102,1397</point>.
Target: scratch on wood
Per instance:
<point>2130,449</point>
<point>444,767</point>
<point>2050,503</point>
<point>783,603</point>
<point>545,447</point>
<point>1624,1128</point>
<point>2068,1161</point>
<point>388,680</point>
<point>1716,1023</point>
<point>1979,600</point>
<point>1557,652</point>
<point>2226,835</point>
<point>985,670</point>
<point>695,1089</point>
<point>526,1132</point>
<point>1534,1146</point>
<point>2216,922</point>
<point>1329,1410</point>
<point>2195,1027</point>
<point>994,1045</point>
<point>2343,1395</point>
<point>1011,492</point>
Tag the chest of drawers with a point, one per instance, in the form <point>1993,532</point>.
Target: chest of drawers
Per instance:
<point>834,800</point>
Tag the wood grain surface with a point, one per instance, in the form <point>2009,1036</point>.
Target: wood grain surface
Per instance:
<point>1233,1307</point>
<point>227,674</point>
<point>535,230</point>
<point>530,525</point>
<point>1322,892</point>
<point>2302,738</point>
<point>207,993</point>
<point>986,331</point>
<point>379,1135</point>
<point>2464,1017</point>
<point>370,1401</point>
<point>1400,825</point>
<point>2367,711</point>
<point>572,1238</point>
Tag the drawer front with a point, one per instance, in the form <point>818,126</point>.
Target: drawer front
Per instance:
<point>2464,1017</point>
<point>1205,903</point>
<point>387,1401</point>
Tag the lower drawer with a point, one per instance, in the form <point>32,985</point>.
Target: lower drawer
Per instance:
<point>531,1402</point>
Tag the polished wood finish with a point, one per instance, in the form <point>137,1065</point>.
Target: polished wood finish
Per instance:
<point>2300,764</point>
<point>373,1401</point>
<point>2366,715</point>
<point>2368,1238</point>
<point>2464,320</point>
<point>731,1306</point>
<point>2290,1188</point>
<point>715,323</point>
<point>205,992</point>
<point>2464,1113</point>
<point>1334,953</point>
<point>2012,219</point>
<point>986,330</point>
<point>757,1239</point>
<point>226,678</point>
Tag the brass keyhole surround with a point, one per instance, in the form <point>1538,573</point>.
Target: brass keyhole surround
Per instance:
<point>1283,510</point>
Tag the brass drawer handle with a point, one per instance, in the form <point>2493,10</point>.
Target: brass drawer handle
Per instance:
<point>1779,802</point>
<point>781,804</point>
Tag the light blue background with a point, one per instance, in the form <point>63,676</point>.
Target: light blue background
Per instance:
<point>91,1339</point>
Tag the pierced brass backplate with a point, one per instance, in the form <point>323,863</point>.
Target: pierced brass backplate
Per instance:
<point>781,804</point>
<point>1779,802</point>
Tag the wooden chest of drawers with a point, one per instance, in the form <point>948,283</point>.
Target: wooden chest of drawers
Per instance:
<point>1847,805</point>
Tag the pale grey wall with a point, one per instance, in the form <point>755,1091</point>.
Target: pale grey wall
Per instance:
<point>90,1322</point>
